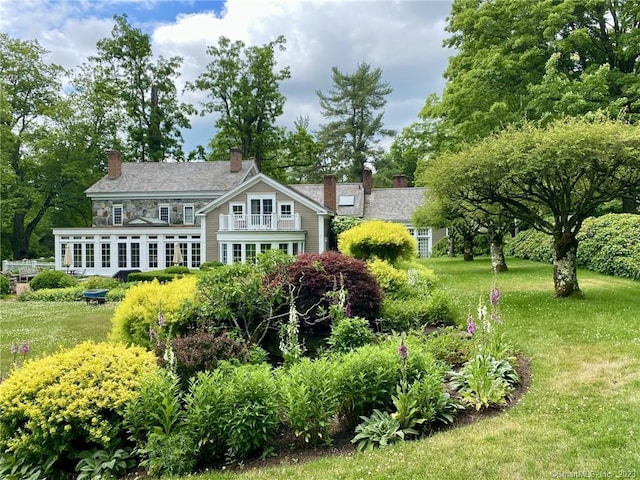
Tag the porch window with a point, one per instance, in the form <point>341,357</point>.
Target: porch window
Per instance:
<point>90,255</point>
<point>106,255</point>
<point>153,255</point>
<point>122,255</point>
<point>135,255</point>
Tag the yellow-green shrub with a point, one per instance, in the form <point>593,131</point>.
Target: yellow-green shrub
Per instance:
<point>376,238</point>
<point>389,278</point>
<point>138,311</point>
<point>71,401</point>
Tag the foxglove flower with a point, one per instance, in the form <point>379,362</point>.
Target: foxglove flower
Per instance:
<point>471,327</point>
<point>494,296</point>
<point>403,352</point>
<point>160,318</point>
<point>25,348</point>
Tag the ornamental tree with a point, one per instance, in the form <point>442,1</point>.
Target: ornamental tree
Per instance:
<point>552,178</point>
<point>386,240</point>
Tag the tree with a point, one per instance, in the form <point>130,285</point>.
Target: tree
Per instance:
<point>299,158</point>
<point>142,92</point>
<point>243,86</point>
<point>551,177</point>
<point>354,105</point>
<point>536,60</point>
<point>388,241</point>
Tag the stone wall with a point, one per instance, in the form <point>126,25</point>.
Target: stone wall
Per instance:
<point>149,208</point>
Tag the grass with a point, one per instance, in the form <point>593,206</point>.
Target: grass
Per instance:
<point>578,420</point>
<point>47,326</point>
<point>580,416</point>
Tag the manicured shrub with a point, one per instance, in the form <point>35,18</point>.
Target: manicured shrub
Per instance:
<point>390,279</point>
<point>308,399</point>
<point>317,274</point>
<point>52,279</point>
<point>5,285</point>
<point>402,314</point>
<point>99,282</point>
<point>611,245</point>
<point>200,350</point>
<point>350,333</point>
<point>375,238</point>
<point>205,266</point>
<point>159,275</point>
<point>177,269</point>
<point>69,294</point>
<point>74,400</point>
<point>531,245</point>
<point>151,308</point>
<point>118,293</point>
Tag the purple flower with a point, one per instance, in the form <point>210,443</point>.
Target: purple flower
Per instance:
<point>347,310</point>
<point>494,296</point>
<point>25,348</point>
<point>152,333</point>
<point>160,318</point>
<point>471,327</point>
<point>403,352</point>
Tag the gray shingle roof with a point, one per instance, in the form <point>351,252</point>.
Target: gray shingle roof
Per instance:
<point>393,204</point>
<point>316,193</point>
<point>149,177</point>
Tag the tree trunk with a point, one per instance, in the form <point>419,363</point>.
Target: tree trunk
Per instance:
<point>19,238</point>
<point>451,250</point>
<point>498,263</point>
<point>629,205</point>
<point>467,248</point>
<point>565,275</point>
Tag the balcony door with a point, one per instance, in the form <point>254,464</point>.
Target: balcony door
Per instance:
<point>260,210</point>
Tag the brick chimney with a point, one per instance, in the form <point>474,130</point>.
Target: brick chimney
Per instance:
<point>114,164</point>
<point>330,192</point>
<point>236,160</point>
<point>400,181</point>
<point>367,180</point>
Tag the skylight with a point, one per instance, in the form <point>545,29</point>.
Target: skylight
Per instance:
<point>346,201</point>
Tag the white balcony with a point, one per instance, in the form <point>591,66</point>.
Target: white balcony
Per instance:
<point>250,222</point>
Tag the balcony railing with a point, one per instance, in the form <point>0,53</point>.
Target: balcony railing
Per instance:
<point>270,221</point>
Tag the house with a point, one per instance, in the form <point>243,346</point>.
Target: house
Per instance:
<point>223,211</point>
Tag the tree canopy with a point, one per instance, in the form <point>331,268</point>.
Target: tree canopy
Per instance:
<point>243,86</point>
<point>552,178</point>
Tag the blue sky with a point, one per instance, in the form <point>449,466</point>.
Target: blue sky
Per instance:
<point>403,38</point>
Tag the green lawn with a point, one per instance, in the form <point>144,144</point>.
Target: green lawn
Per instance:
<point>49,325</point>
<point>581,416</point>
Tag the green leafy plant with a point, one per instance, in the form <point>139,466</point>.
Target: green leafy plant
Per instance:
<point>14,466</point>
<point>376,238</point>
<point>52,279</point>
<point>104,464</point>
<point>350,333</point>
<point>379,430</point>
<point>308,399</point>
<point>484,381</point>
<point>407,411</point>
<point>5,285</point>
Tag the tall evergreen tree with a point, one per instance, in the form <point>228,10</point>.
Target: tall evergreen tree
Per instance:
<point>354,106</point>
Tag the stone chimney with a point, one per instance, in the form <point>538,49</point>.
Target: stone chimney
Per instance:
<point>367,180</point>
<point>330,192</point>
<point>400,181</point>
<point>114,164</point>
<point>236,160</point>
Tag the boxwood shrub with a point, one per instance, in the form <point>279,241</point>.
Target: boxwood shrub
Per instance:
<point>52,279</point>
<point>74,400</point>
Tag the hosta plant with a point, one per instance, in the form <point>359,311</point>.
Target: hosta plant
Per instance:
<point>379,430</point>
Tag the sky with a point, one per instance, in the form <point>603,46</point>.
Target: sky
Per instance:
<point>403,38</point>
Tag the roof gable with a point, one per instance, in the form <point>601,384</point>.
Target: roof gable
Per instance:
<point>272,184</point>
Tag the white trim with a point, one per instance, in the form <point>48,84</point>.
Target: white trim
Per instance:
<point>184,214</point>
<point>168,207</point>
<point>322,241</point>
<point>275,185</point>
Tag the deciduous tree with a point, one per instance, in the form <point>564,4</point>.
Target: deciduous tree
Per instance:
<point>552,178</point>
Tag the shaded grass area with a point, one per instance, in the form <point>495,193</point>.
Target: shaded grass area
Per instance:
<point>580,416</point>
<point>47,326</point>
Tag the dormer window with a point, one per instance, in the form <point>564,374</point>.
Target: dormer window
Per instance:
<point>163,214</point>
<point>117,214</point>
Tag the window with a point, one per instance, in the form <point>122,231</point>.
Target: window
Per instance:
<point>223,253</point>
<point>286,209</point>
<point>237,208</point>
<point>296,248</point>
<point>237,252</point>
<point>261,209</point>
<point>168,253</point>
<point>195,254</point>
<point>283,247</point>
<point>77,255</point>
<point>250,252</point>
<point>135,255</point>
<point>90,255</point>
<point>163,214</point>
<point>122,255</point>
<point>117,214</point>
<point>153,255</point>
<point>106,255</point>
<point>188,215</point>
<point>265,247</point>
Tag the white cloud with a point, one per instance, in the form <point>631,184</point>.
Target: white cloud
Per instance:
<point>403,38</point>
